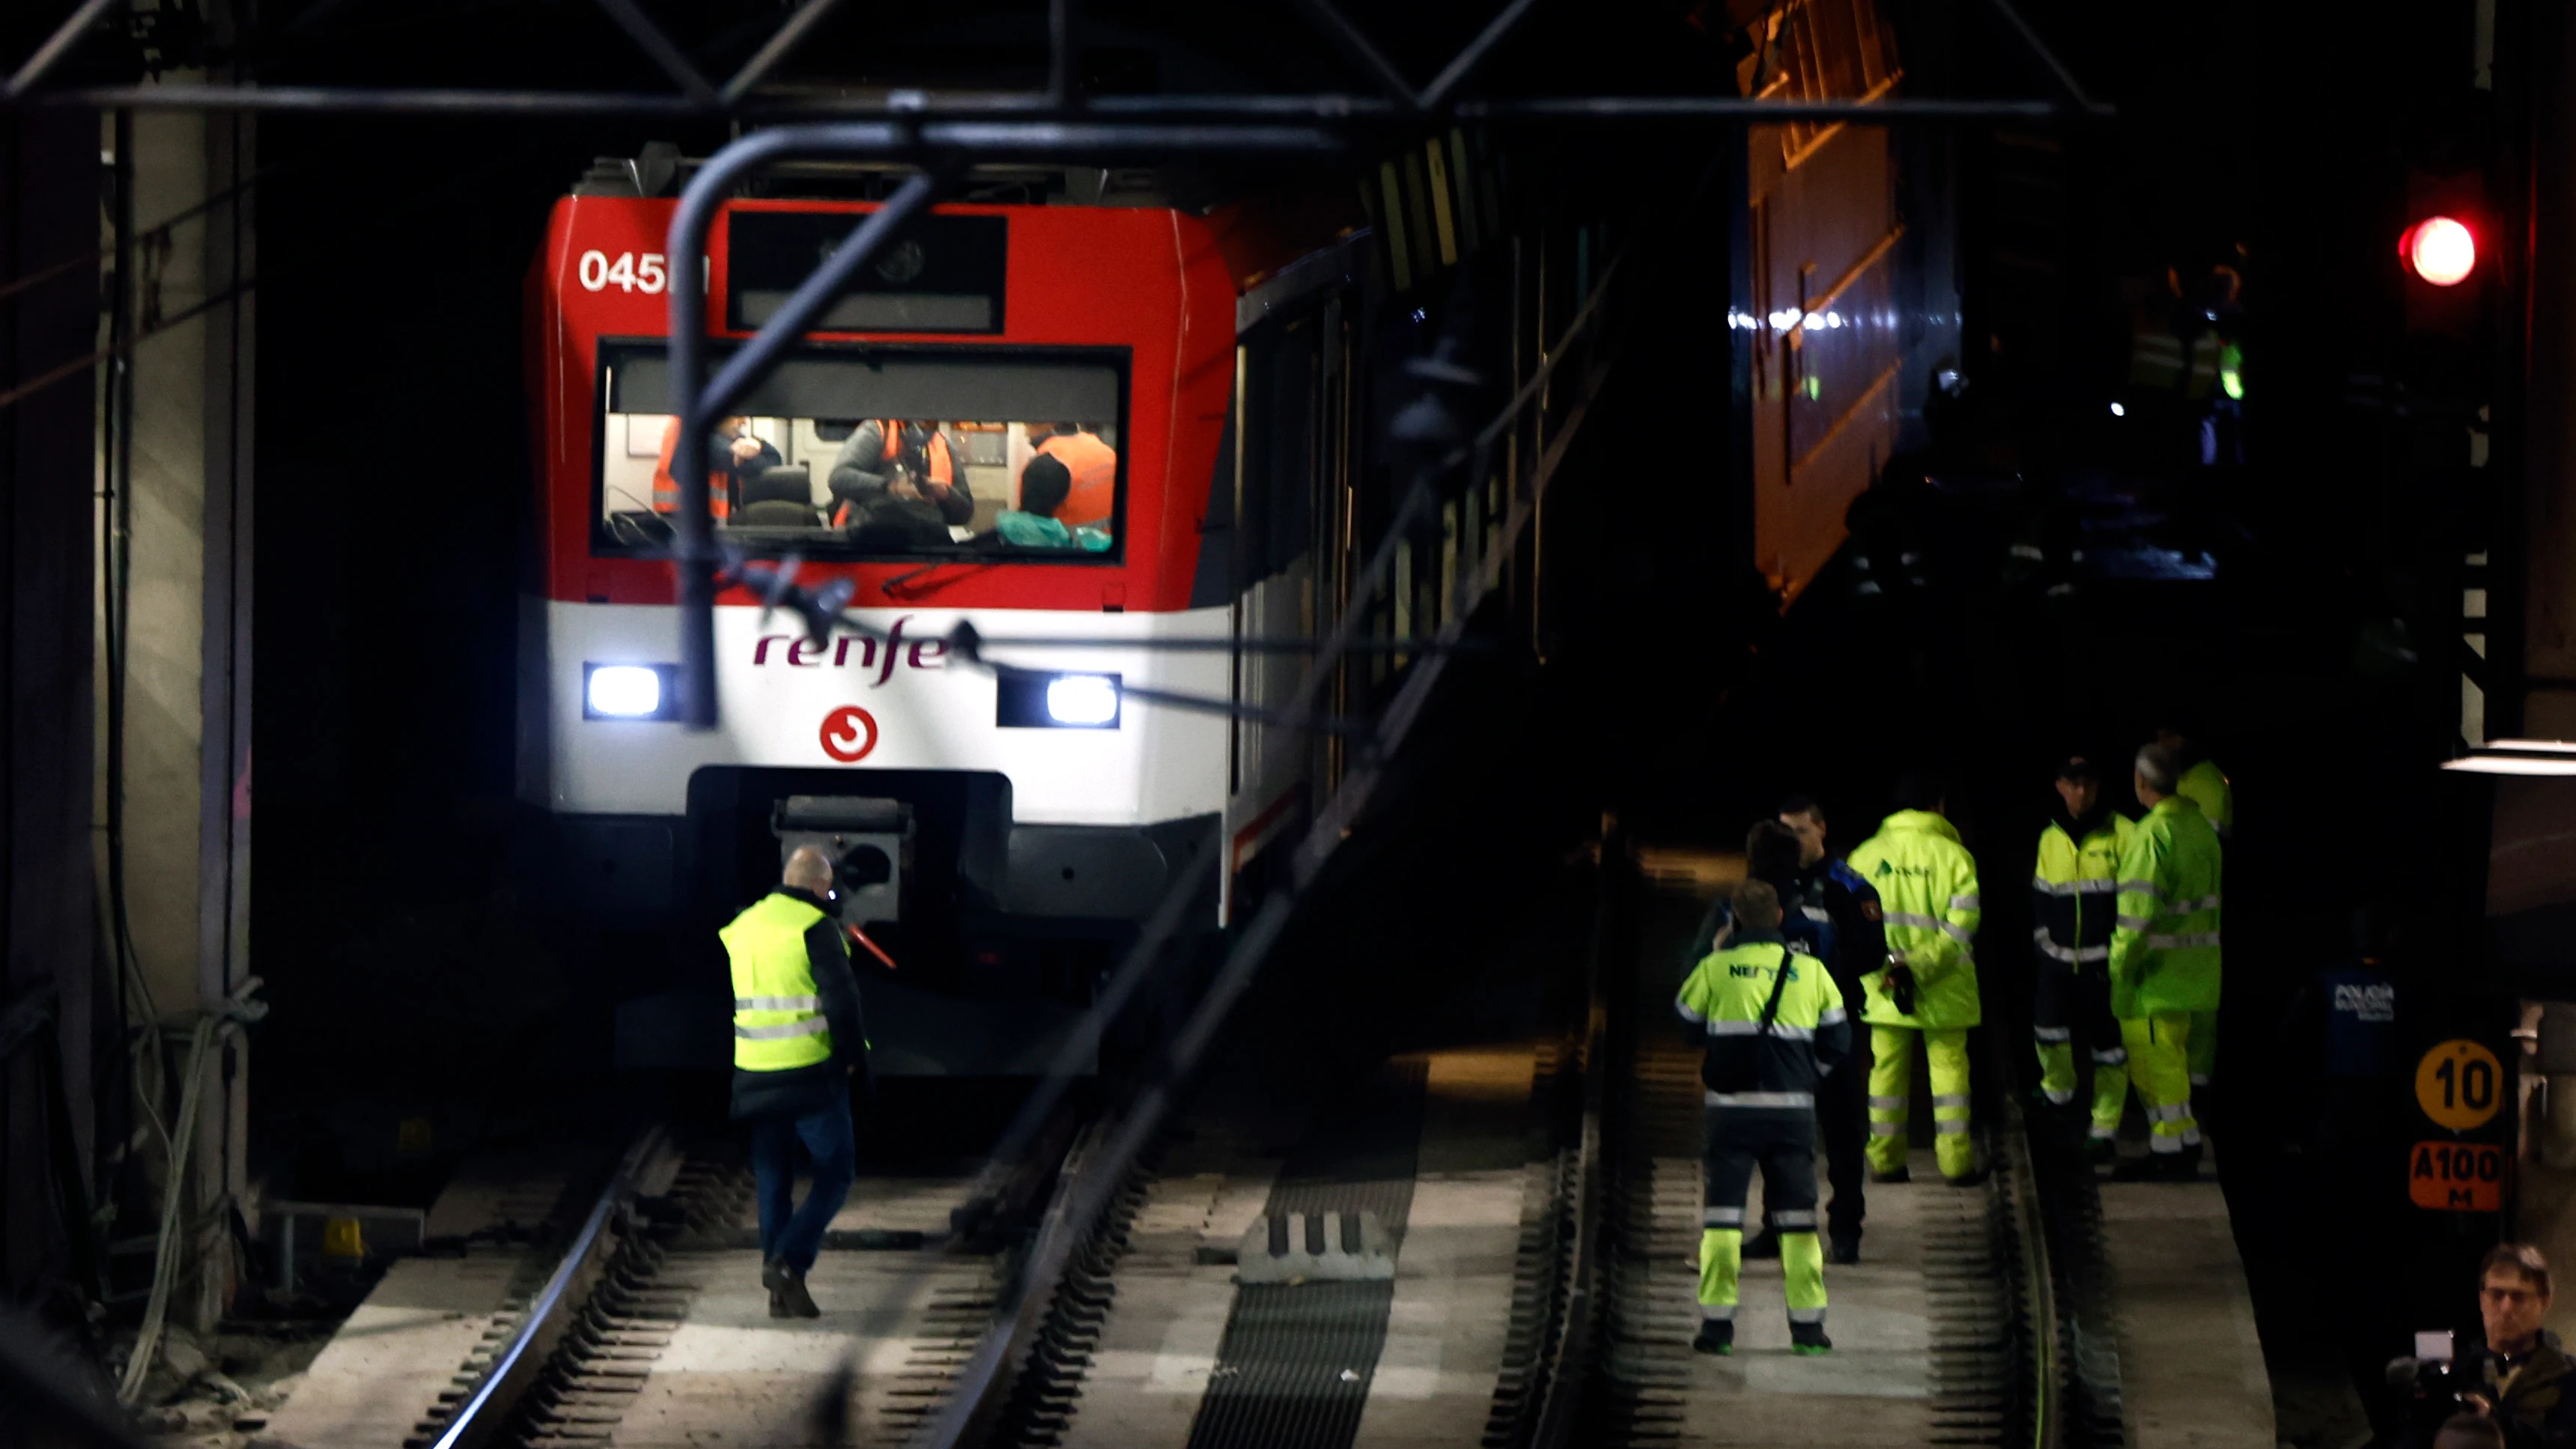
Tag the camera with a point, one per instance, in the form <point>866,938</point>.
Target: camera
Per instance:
<point>2432,1375</point>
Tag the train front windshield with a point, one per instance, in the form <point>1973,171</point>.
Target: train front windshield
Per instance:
<point>878,452</point>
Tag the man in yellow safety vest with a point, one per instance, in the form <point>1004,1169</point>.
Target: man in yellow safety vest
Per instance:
<point>797,1046</point>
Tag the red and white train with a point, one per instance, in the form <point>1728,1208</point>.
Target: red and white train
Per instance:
<point>1192,374</point>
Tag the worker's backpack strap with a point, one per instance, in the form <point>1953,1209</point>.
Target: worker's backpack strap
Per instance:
<point>1739,1068</point>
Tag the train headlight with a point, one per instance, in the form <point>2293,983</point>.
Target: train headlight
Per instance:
<point>629,691</point>
<point>1036,699</point>
<point>1082,700</point>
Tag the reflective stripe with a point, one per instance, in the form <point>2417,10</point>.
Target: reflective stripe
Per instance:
<point>2115,1057</point>
<point>1940,1102</point>
<point>1960,934</point>
<point>1693,1017</point>
<point>2053,1033</point>
<point>2105,1134</point>
<point>1832,1016</point>
<point>2183,942</point>
<point>1966,902</point>
<point>2077,957</point>
<point>1720,1312</point>
<point>1908,918</point>
<point>1947,1129</point>
<point>1806,1315</point>
<point>1722,1217</point>
<point>777,1003</point>
<point>2090,886</point>
<point>1893,1104</point>
<point>1761,1099</point>
<point>810,1026</point>
<point>2058,1098</point>
<point>2205,903</point>
<point>1754,1028</point>
<point>2097,886</point>
<point>2024,550</point>
<point>2164,1144</point>
<point>2191,1135</point>
<point>1789,1220</point>
<point>2199,1079</point>
<point>2140,888</point>
<point>2133,923</point>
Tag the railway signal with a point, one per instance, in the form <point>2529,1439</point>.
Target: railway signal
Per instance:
<point>2439,250</point>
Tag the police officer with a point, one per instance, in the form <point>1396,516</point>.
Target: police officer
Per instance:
<point>797,1046</point>
<point>1927,989</point>
<point>2204,785</point>
<point>2164,959</point>
<point>1860,944</point>
<point>2071,905</point>
<point>1772,856</point>
<point>1774,1025</point>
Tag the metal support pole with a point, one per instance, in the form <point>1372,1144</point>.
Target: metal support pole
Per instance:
<point>56,46</point>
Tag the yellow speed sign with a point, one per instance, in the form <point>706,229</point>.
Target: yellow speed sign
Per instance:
<point>2460,1085</point>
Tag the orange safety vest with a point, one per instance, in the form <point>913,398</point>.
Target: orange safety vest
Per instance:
<point>666,488</point>
<point>934,452</point>
<point>1094,466</point>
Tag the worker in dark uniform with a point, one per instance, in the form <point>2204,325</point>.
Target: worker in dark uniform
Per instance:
<point>2072,886</point>
<point>1860,944</point>
<point>1774,1027</point>
<point>798,1050</point>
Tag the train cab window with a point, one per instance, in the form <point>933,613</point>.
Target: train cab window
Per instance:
<point>861,452</point>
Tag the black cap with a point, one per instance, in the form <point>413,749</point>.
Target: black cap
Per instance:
<point>2077,767</point>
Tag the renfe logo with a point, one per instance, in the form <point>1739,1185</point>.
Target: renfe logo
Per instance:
<point>804,653</point>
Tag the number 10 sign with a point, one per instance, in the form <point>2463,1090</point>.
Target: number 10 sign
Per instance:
<point>2459,1084</point>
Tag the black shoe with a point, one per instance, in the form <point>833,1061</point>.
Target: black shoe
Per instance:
<point>2183,1166</point>
<point>1902,1174</point>
<point>1764,1244</point>
<point>1973,1177</point>
<point>1844,1250</point>
<point>2101,1151</point>
<point>1808,1338</point>
<point>787,1295</point>
<point>1716,1335</point>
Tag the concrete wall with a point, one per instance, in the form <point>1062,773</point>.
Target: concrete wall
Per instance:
<point>183,470</point>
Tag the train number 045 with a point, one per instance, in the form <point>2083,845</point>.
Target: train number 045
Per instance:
<point>627,273</point>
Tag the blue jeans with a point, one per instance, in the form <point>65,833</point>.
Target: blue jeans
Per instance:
<point>787,1231</point>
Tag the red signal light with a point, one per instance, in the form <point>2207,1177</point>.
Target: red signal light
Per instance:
<point>2439,250</point>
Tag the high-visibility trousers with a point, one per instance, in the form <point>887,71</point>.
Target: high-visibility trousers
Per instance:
<point>2072,1006</point>
<point>1783,1142</point>
<point>2204,1047</point>
<point>1891,1075</point>
<point>2160,1067</point>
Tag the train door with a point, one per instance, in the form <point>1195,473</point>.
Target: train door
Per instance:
<point>1290,377</point>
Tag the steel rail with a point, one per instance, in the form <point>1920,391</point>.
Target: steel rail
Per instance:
<point>1562,1392</point>
<point>493,1398</point>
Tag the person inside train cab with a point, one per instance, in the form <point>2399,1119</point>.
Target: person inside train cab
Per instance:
<point>1044,485</point>
<point>902,477</point>
<point>733,454</point>
<point>1094,465</point>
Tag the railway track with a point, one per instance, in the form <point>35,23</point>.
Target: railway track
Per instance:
<point>1979,1317</point>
